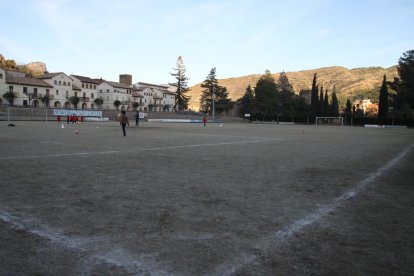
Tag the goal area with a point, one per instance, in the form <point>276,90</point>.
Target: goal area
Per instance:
<point>329,121</point>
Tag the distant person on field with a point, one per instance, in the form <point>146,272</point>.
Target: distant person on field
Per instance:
<point>137,119</point>
<point>123,121</point>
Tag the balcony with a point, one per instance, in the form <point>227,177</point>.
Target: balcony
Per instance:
<point>84,99</point>
<point>125,102</point>
<point>40,96</point>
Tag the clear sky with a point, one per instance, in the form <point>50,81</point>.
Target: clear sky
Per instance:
<point>99,38</point>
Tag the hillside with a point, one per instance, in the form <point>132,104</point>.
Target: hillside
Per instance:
<point>350,83</point>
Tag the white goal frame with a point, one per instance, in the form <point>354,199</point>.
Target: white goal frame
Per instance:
<point>341,118</point>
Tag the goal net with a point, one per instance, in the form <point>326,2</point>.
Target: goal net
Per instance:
<point>329,121</point>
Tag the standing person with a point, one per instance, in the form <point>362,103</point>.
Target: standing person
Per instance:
<point>123,121</point>
<point>67,118</point>
<point>58,119</point>
<point>205,120</point>
<point>137,119</point>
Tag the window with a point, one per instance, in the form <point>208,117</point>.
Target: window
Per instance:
<point>60,83</point>
<point>94,86</point>
<point>107,90</point>
<point>1,76</point>
<point>64,83</point>
<point>57,92</point>
<point>67,93</point>
<point>83,85</point>
<point>68,83</point>
<point>35,92</point>
<point>91,95</point>
<point>24,102</point>
<point>55,82</point>
<point>92,107</point>
<point>24,90</point>
<point>76,94</point>
<point>11,88</point>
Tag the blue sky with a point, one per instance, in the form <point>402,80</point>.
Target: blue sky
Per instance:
<point>99,38</point>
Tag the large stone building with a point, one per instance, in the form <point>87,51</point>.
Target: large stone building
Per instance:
<point>57,89</point>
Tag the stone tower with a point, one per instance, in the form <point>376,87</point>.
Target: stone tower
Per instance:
<point>125,79</point>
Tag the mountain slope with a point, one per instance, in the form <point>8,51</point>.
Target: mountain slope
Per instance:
<point>349,82</point>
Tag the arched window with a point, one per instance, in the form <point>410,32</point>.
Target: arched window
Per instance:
<point>55,81</point>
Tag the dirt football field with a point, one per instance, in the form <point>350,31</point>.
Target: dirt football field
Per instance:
<point>183,199</point>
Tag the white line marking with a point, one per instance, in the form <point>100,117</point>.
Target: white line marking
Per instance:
<point>136,150</point>
<point>118,257</point>
<point>243,259</point>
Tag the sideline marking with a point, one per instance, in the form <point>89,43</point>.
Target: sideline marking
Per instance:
<point>118,256</point>
<point>136,150</point>
<point>243,259</point>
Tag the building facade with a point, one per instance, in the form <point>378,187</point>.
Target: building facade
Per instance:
<point>110,92</point>
<point>57,89</point>
<point>62,90</point>
<point>87,90</point>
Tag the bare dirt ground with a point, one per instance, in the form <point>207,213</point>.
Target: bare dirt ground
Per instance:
<point>182,199</point>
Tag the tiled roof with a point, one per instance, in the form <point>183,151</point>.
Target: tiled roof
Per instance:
<point>49,75</point>
<point>168,92</point>
<point>118,85</point>
<point>87,79</point>
<point>151,85</point>
<point>26,81</point>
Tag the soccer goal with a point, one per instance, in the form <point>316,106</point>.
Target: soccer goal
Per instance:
<point>329,121</point>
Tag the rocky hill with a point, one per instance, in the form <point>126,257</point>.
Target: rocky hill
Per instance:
<point>36,68</point>
<point>350,83</point>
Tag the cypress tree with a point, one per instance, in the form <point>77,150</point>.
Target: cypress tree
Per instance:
<point>326,104</point>
<point>334,105</point>
<point>383,100</point>
<point>314,97</point>
<point>348,110</point>
<point>321,102</point>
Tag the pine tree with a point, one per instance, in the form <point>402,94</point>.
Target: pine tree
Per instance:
<point>326,104</point>
<point>383,100</point>
<point>181,99</point>
<point>314,97</point>
<point>286,96</point>
<point>212,90</point>
<point>247,101</point>
<point>266,97</point>
<point>334,105</point>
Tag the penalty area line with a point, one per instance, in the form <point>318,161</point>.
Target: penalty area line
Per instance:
<point>264,243</point>
<point>136,150</point>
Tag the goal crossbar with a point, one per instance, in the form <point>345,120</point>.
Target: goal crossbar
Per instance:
<point>327,119</point>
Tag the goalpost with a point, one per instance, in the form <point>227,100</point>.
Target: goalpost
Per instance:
<point>329,121</point>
